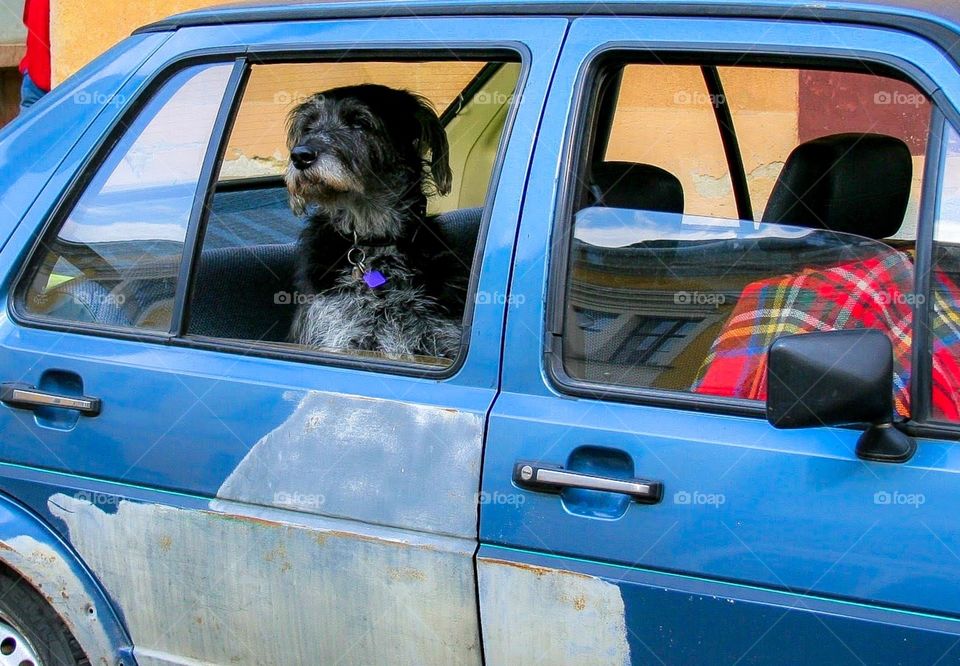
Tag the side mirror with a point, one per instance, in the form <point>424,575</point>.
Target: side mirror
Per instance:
<point>837,378</point>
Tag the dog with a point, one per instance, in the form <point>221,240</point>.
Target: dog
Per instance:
<point>374,271</point>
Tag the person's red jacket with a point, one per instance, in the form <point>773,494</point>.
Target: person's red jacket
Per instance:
<point>36,16</point>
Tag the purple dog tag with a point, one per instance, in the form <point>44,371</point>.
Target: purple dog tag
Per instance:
<point>374,279</point>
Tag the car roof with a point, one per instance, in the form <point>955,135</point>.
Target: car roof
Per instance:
<point>938,20</point>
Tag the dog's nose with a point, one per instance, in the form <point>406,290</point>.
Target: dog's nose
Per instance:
<point>303,156</point>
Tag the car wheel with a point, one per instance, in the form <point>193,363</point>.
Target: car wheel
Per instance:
<point>31,634</point>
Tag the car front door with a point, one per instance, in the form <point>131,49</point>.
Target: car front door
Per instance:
<point>630,515</point>
<point>240,502</point>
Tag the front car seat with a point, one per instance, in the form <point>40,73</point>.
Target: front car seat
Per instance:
<point>849,183</point>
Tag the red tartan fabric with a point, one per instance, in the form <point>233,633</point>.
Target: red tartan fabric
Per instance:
<point>945,329</point>
<point>873,292</point>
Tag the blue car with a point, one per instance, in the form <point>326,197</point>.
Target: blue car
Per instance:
<point>707,392</point>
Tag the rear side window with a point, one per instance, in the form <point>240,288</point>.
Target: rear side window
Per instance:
<point>669,288</point>
<point>114,260</point>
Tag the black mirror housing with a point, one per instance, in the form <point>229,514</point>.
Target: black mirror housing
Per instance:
<point>835,378</point>
<point>830,378</point>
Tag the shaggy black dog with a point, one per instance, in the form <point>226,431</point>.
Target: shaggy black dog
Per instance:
<point>374,273</point>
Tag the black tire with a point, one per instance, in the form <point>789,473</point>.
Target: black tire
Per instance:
<point>29,614</point>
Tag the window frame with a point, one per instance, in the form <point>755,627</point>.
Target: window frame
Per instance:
<point>937,154</point>
<point>243,60</point>
<point>578,148</point>
<point>78,185</point>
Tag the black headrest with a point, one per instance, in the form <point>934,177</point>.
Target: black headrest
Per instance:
<point>460,229</point>
<point>637,186</point>
<point>852,183</point>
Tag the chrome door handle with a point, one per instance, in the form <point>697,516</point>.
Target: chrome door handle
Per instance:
<point>28,397</point>
<point>546,478</point>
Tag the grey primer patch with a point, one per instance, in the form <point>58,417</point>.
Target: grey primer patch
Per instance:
<point>378,461</point>
<point>532,615</point>
<point>255,588</point>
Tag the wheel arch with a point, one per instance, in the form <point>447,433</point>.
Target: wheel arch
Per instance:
<point>29,548</point>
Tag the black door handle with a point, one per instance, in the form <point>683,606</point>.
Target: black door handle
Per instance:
<point>554,479</point>
<point>28,397</point>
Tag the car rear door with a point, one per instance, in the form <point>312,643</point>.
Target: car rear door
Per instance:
<point>245,506</point>
<point>741,543</point>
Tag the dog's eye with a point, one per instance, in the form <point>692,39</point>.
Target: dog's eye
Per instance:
<point>359,122</point>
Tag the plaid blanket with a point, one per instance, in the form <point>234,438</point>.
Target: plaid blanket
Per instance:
<point>945,328</point>
<point>873,292</point>
<point>870,293</point>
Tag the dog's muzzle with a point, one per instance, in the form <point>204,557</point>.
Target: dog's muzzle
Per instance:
<point>318,176</point>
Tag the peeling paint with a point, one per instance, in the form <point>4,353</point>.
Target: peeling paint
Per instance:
<point>396,573</point>
<point>43,568</point>
<point>767,171</point>
<point>709,186</point>
<point>534,615</point>
<point>378,461</point>
<point>264,586</point>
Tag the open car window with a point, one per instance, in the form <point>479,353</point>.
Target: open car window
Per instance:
<point>116,259</point>
<point>248,282</point>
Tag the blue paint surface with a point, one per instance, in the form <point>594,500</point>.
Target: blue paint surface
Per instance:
<point>765,539</point>
<point>791,511</point>
<point>203,430</point>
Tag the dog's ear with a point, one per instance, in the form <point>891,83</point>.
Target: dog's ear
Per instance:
<point>433,138</point>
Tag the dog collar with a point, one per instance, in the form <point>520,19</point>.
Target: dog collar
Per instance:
<point>372,242</point>
<point>356,257</point>
<point>384,242</point>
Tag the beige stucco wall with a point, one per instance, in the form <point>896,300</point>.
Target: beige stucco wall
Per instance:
<point>11,27</point>
<point>80,30</point>
<point>273,90</point>
<point>12,36</point>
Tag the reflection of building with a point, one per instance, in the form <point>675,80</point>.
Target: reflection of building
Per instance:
<point>644,316</point>
<point>12,36</point>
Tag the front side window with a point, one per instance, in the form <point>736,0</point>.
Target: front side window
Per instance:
<point>347,210</point>
<point>668,289</point>
<point>114,260</point>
